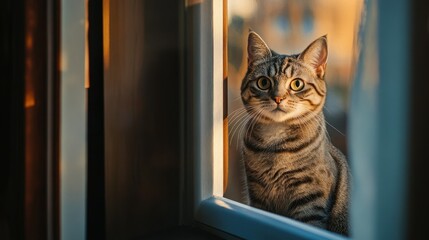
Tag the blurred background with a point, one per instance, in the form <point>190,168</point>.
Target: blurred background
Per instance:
<point>288,26</point>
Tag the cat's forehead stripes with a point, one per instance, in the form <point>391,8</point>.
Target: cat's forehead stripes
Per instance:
<point>272,70</point>
<point>281,65</point>
<point>273,67</point>
<point>287,68</point>
<point>290,66</point>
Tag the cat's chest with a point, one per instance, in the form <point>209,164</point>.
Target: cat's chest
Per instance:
<point>272,135</point>
<point>273,131</point>
<point>273,143</point>
<point>288,182</point>
<point>279,171</point>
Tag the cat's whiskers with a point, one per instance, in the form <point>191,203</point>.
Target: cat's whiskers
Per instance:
<point>254,120</point>
<point>335,128</point>
<point>323,120</point>
<point>327,110</point>
<point>242,126</point>
<point>233,114</point>
<point>270,146</point>
<point>237,98</point>
<point>236,115</point>
<point>242,117</point>
<point>237,122</point>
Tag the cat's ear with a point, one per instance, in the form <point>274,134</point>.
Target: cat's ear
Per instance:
<point>257,49</point>
<point>316,54</point>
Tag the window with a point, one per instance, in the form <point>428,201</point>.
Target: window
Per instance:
<point>378,153</point>
<point>213,209</point>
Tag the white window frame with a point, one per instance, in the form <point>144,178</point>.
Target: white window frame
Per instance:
<point>239,220</point>
<point>73,128</point>
<point>212,209</point>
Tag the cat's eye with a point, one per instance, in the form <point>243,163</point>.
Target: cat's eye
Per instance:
<point>263,83</point>
<point>297,85</point>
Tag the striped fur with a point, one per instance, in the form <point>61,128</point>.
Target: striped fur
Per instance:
<point>291,167</point>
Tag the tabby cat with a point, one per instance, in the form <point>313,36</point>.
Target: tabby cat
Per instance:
<point>291,167</point>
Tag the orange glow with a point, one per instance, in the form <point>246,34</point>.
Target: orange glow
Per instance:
<point>30,100</point>
<point>87,80</point>
<point>31,133</point>
<point>106,33</point>
<point>63,63</point>
<point>29,41</point>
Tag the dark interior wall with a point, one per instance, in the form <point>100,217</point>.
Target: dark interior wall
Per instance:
<point>12,129</point>
<point>35,104</point>
<point>95,187</point>
<point>141,111</point>
<point>418,193</point>
<point>23,94</point>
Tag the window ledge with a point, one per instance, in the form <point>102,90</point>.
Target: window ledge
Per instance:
<point>249,223</point>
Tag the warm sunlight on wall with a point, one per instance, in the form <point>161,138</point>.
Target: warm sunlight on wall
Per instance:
<point>106,33</point>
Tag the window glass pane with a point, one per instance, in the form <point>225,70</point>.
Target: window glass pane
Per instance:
<point>288,27</point>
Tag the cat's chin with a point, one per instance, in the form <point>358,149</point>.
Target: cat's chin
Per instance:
<point>277,116</point>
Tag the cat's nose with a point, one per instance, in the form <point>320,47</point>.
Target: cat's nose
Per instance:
<point>278,99</point>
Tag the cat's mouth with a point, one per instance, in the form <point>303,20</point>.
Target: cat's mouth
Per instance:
<point>278,114</point>
<point>278,109</point>
<point>273,113</point>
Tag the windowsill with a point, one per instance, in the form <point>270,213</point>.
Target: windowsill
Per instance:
<point>249,223</point>
<point>181,232</point>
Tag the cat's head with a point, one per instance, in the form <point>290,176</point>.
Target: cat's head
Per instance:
<point>282,88</point>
